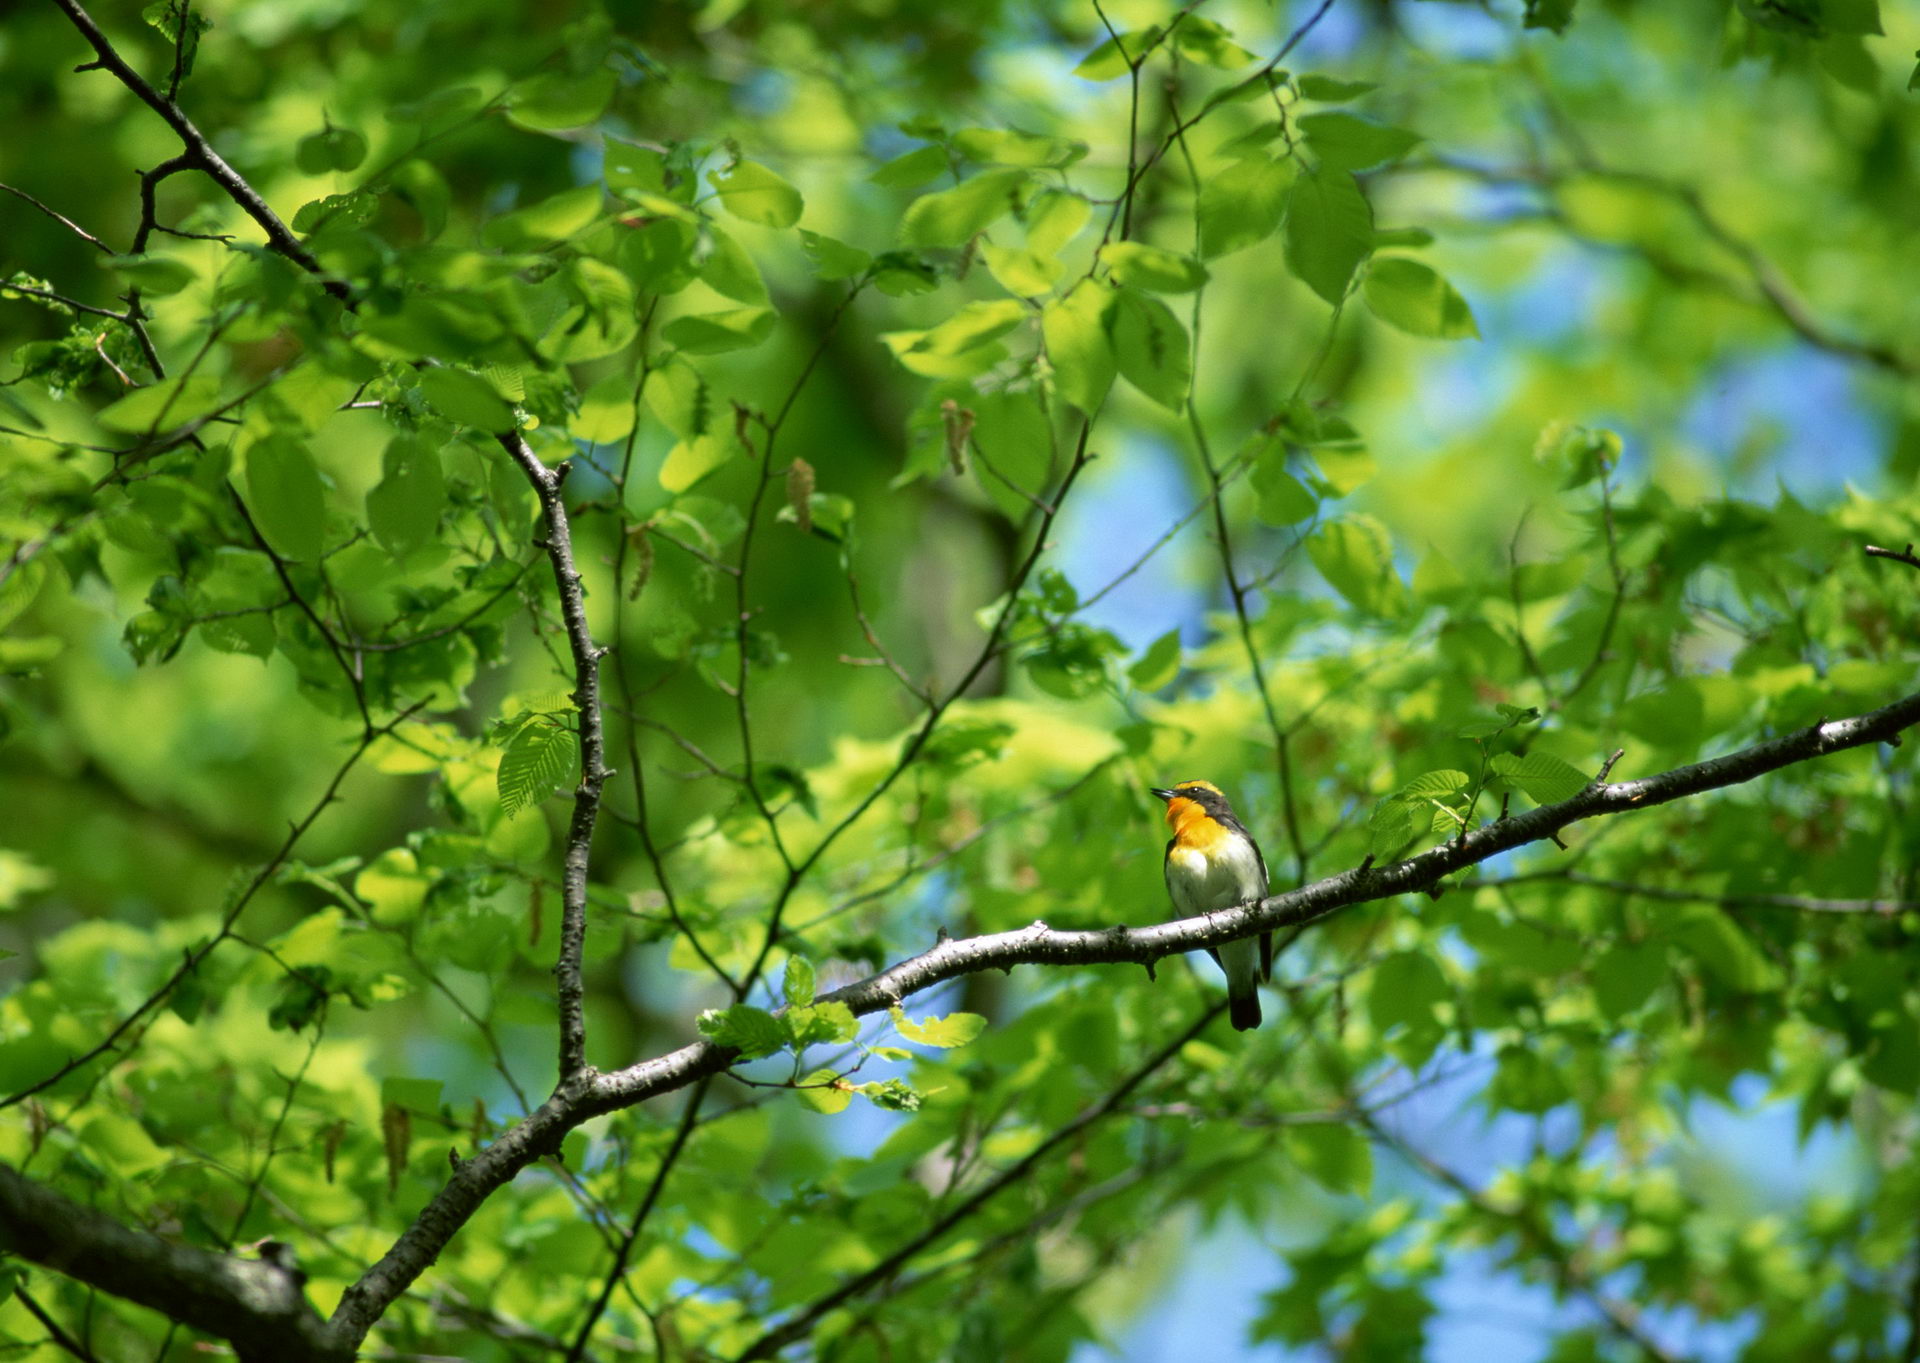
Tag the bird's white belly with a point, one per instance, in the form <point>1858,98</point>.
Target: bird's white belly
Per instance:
<point>1198,883</point>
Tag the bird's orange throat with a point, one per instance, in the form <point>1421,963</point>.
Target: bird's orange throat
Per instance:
<point>1193,827</point>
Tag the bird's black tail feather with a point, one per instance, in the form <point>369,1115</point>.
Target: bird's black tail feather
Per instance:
<point>1243,1009</point>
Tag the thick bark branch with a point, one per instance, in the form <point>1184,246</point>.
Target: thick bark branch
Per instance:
<point>587,1094</point>
<point>258,1306</point>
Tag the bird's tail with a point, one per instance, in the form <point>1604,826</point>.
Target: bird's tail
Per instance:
<point>1243,1007</point>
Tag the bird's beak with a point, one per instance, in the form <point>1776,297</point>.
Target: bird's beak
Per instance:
<point>1160,794</point>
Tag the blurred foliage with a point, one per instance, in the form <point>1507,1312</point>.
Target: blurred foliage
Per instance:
<point>1466,393</point>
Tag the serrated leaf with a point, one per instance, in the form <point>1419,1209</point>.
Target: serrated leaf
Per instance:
<point>540,758</point>
<point>955,1029</point>
<point>753,1032</point>
<point>556,100</point>
<point>1355,557</point>
<point>1545,778</point>
<point>819,1024</point>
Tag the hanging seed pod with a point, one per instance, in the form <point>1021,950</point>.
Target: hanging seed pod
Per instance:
<point>800,494</point>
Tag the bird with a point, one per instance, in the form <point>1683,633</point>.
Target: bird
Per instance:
<point>1212,862</point>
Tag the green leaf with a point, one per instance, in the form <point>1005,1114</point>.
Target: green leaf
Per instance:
<point>954,216</point>
<point>551,220</point>
<point>1079,342</point>
<point>1344,141</point>
<point>541,756</point>
<point>826,1092</point>
<point>1242,204</point>
<point>685,402</point>
<point>393,886</point>
<point>403,508</point>
<point>606,410</point>
<point>182,25</point>
<point>752,193</point>
<point>1159,665</point>
<point>157,276</point>
<point>1553,14</point>
<point>340,212</point>
<point>912,169</point>
<point>335,149</point>
<point>164,405</point>
<point>691,460</point>
<point>1150,348</point>
<point>1406,989</point>
<point>1008,147</point>
<point>1625,977</point>
<point>1150,267</point>
<point>555,100</point>
<point>729,271</point>
<point>1115,57</point>
<point>1021,273</point>
<point>1355,556</point>
<point>955,1029</point>
<point>286,497</point>
<point>1408,295</point>
<point>465,399</point>
<point>1329,231</point>
<point>753,1032</point>
<point>833,259</point>
<point>1545,778</point>
<point>1333,1155</point>
<point>1202,40</point>
<point>1284,499</point>
<point>821,1023</point>
<point>711,333</point>
<point>798,983</point>
<point>1328,90</point>
<point>1054,217</point>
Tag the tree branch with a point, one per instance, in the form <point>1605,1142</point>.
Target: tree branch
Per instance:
<point>204,157</point>
<point>257,1305</point>
<point>593,769</point>
<point>776,1339</point>
<point>584,1095</point>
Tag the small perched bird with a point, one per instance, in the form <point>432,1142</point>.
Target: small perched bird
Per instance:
<point>1214,863</point>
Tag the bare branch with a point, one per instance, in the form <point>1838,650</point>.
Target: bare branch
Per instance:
<point>1906,555</point>
<point>60,218</point>
<point>593,769</point>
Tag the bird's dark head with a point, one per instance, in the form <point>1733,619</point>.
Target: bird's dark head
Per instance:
<point>1188,795</point>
